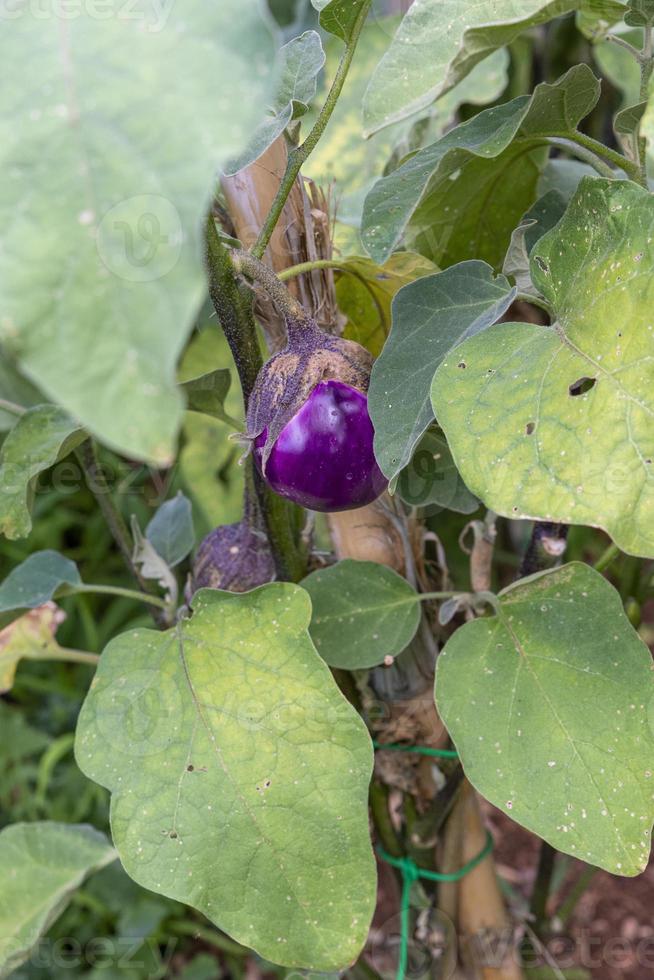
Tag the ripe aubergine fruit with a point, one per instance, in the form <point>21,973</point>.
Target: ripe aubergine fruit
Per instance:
<point>309,424</point>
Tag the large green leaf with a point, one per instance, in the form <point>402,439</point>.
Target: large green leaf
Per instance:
<point>42,866</point>
<point>557,422</point>
<point>239,775</point>
<point>41,436</point>
<point>124,121</point>
<point>430,317</point>
<point>438,43</point>
<point>353,163</point>
<point>547,703</point>
<point>301,61</point>
<point>462,196</point>
<point>362,613</point>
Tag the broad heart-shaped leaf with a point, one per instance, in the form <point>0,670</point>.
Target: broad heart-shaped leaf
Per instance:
<point>41,436</point>
<point>362,613</point>
<point>36,580</point>
<point>430,317</point>
<point>339,16</point>
<point>239,775</point>
<point>557,423</point>
<point>438,43</point>
<point>547,705</point>
<point>300,63</point>
<point>43,864</point>
<point>97,301</point>
<point>462,196</point>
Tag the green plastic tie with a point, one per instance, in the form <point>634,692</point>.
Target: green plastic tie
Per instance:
<point>412,873</point>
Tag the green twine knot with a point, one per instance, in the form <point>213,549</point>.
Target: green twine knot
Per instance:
<point>411,872</point>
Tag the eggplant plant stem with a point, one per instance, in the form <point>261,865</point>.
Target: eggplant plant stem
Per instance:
<point>11,407</point>
<point>71,656</point>
<point>99,487</point>
<point>542,885</point>
<point>298,156</point>
<point>234,308</point>
<point>606,558</point>
<point>115,590</point>
<point>287,305</point>
<point>341,266</point>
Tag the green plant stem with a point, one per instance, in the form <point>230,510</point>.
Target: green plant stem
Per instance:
<point>210,936</point>
<point>71,656</point>
<point>606,558</point>
<point>542,885</point>
<point>99,487</point>
<point>567,907</point>
<point>234,308</point>
<point>382,819</point>
<point>116,590</point>
<point>583,153</point>
<point>11,407</point>
<point>538,301</point>
<point>317,264</point>
<point>298,156</point>
<point>585,142</point>
<point>248,265</point>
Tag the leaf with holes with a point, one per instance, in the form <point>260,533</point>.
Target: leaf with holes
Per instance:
<point>41,436</point>
<point>362,613</point>
<point>462,196</point>
<point>438,43</point>
<point>239,775</point>
<point>430,317</point>
<point>98,313</point>
<point>547,703</point>
<point>43,864</point>
<point>556,423</point>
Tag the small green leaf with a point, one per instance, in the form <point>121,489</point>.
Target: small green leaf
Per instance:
<point>437,45</point>
<point>626,126</point>
<point>239,775</point>
<point>556,423</point>
<point>42,864</point>
<point>171,531</point>
<point>462,196</point>
<point>339,16</point>
<point>432,480</point>
<point>430,317</point>
<point>36,580</point>
<point>640,13</point>
<point>547,705</point>
<point>16,389</point>
<point>127,119</point>
<point>41,437</point>
<point>300,62</point>
<point>545,213</point>
<point>207,393</point>
<point>31,637</point>
<point>362,613</point>
<point>595,17</point>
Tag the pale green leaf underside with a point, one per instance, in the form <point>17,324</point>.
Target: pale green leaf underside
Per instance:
<point>239,775</point>
<point>300,63</point>
<point>41,436</point>
<point>438,43</point>
<point>522,440</point>
<point>462,196</point>
<point>430,317</point>
<point>97,300</point>
<point>42,865</point>
<point>362,613</point>
<point>547,704</point>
